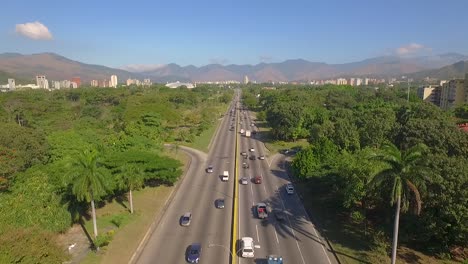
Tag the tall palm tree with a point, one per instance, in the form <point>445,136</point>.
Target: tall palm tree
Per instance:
<point>88,181</point>
<point>404,172</point>
<point>130,178</point>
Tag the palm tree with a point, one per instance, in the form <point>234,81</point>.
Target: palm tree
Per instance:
<point>130,178</point>
<point>404,172</point>
<point>88,181</point>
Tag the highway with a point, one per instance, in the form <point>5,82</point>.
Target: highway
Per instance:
<point>294,238</point>
<point>197,194</point>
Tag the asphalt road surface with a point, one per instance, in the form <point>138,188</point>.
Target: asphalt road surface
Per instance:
<point>294,238</point>
<point>197,194</point>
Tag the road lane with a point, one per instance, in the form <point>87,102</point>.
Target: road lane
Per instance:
<point>295,238</point>
<point>197,193</point>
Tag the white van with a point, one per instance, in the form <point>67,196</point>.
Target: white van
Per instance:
<point>247,247</point>
<point>225,176</point>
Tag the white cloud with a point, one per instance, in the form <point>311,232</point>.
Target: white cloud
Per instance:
<point>142,67</point>
<point>411,48</point>
<point>34,30</point>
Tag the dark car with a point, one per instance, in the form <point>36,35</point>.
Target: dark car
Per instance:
<point>219,203</point>
<point>209,169</point>
<point>252,157</point>
<point>194,253</point>
<point>245,165</point>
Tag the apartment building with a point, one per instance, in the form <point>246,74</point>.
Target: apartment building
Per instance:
<point>453,93</point>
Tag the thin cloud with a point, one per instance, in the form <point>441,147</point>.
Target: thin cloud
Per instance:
<point>142,67</point>
<point>265,58</point>
<point>411,48</point>
<point>221,61</point>
<point>34,30</point>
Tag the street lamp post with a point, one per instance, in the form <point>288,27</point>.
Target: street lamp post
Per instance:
<point>408,88</point>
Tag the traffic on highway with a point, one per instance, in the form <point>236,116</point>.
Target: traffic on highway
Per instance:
<point>235,204</point>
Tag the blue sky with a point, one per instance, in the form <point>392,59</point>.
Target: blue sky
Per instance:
<point>117,33</point>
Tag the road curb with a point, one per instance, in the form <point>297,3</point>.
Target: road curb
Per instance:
<point>159,216</point>
<point>315,223</point>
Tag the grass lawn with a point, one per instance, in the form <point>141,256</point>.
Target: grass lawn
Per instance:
<point>147,203</point>
<point>275,146</point>
<point>201,142</point>
<point>348,239</point>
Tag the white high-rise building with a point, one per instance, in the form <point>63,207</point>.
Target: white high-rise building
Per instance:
<point>341,81</point>
<point>94,83</point>
<point>42,82</point>
<point>57,85</point>
<point>246,79</point>
<point>113,81</point>
<point>358,81</point>
<point>11,84</point>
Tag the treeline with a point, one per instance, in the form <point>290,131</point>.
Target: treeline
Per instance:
<point>369,146</point>
<point>61,151</point>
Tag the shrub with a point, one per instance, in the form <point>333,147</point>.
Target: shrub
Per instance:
<point>30,245</point>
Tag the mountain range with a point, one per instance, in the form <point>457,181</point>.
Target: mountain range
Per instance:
<point>57,67</point>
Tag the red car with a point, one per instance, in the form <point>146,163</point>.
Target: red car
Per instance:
<point>258,179</point>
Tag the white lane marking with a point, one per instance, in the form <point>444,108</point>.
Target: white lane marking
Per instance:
<point>276,234</point>
<point>309,221</point>
<point>316,234</point>
<point>251,190</point>
<point>264,188</point>
<point>295,237</point>
<point>258,238</point>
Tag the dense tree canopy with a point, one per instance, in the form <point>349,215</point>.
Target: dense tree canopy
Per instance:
<point>43,132</point>
<point>344,125</point>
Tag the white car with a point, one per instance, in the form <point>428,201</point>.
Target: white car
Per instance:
<point>262,157</point>
<point>289,188</point>
<point>251,149</point>
<point>247,247</point>
<point>244,181</point>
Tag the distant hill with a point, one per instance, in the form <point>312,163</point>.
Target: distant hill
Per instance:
<point>453,71</point>
<point>56,67</point>
<point>303,70</point>
<point>4,76</point>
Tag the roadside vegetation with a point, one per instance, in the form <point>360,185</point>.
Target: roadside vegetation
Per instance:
<point>65,153</point>
<point>372,157</point>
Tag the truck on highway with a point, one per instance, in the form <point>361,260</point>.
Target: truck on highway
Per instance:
<point>273,259</point>
<point>262,211</point>
<point>225,176</point>
<point>247,133</point>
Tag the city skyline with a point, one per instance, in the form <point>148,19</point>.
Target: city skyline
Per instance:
<point>147,34</point>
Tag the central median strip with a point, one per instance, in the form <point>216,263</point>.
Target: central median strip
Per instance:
<point>235,202</point>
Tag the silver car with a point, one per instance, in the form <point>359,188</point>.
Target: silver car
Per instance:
<point>186,219</point>
<point>244,181</point>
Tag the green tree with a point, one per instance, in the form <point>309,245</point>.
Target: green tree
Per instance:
<point>88,180</point>
<point>404,173</point>
<point>130,178</point>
